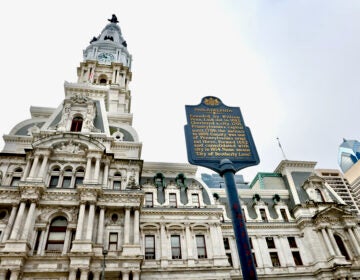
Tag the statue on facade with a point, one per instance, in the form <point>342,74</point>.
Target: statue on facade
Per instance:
<point>113,19</point>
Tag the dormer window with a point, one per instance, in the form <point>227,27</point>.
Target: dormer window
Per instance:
<point>76,124</point>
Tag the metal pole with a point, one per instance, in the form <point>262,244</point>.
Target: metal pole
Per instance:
<point>241,236</point>
<point>103,265</point>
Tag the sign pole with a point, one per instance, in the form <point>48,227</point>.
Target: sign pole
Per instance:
<point>242,239</point>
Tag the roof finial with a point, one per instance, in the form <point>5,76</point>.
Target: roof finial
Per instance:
<point>113,19</point>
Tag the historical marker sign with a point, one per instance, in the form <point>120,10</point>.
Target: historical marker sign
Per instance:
<point>217,138</point>
<point>215,132</point>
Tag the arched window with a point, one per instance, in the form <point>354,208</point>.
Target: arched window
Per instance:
<point>117,181</point>
<point>319,196</point>
<point>79,176</point>
<point>67,178</point>
<point>341,246</point>
<point>16,177</point>
<point>76,124</point>
<point>54,178</point>
<point>56,236</point>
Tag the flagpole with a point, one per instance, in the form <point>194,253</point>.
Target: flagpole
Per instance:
<point>282,151</point>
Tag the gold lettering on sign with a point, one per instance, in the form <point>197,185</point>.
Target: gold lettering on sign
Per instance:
<point>218,132</point>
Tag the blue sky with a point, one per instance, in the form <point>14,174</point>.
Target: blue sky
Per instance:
<point>291,66</point>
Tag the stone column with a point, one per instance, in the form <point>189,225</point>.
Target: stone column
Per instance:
<point>90,224</point>
<point>67,241</point>
<point>106,175</point>
<point>136,275</point>
<point>10,223</point>
<point>189,244</point>
<point>97,170</point>
<point>28,222</point>
<point>80,223</point>
<point>34,166</point>
<point>26,171</point>
<point>100,233</point>
<point>125,275</point>
<point>327,242</point>
<point>163,241</point>
<point>96,275</point>
<point>256,250</point>
<point>84,274</point>
<point>127,226</point>
<point>214,241</point>
<point>357,234</point>
<point>221,239</point>
<point>88,170</point>
<point>14,275</point>
<point>2,274</point>
<point>72,274</point>
<point>17,224</point>
<point>353,241</point>
<point>136,227</point>
<point>333,242</point>
<point>41,241</point>
<point>43,167</point>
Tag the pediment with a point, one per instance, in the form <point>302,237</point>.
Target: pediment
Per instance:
<point>69,143</point>
<point>332,212</point>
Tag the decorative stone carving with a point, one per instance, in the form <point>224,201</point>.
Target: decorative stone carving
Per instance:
<point>70,147</point>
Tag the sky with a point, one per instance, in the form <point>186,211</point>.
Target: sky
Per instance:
<point>291,66</point>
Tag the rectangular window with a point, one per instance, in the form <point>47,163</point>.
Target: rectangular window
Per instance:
<point>66,182</point>
<point>297,258</point>
<point>117,185</point>
<point>79,181</point>
<point>274,259</point>
<point>226,243</point>
<point>149,202</point>
<point>201,247</point>
<point>113,240</point>
<point>175,247</point>
<point>54,180</point>
<point>149,247</point>
<point>195,200</point>
<point>15,181</point>
<point>284,215</point>
<point>250,241</point>
<point>172,200</point>
<point>263,215</point>
<point>270,242</point>
<point>292,242</point>
<point>229,258</point>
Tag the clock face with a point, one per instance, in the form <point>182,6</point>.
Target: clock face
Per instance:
<point>105,58</point>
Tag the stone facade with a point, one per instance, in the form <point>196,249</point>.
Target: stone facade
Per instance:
<point>77,200</point>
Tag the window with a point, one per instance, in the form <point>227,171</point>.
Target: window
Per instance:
<point>149,247</point>
<point>274,259</point>
<point>149,200</point>
<point>66,182</point>
<point>284,215</point>
<point>56,236</point>
<point>54,181</point>
<point>251,244</point>
<point>117,185</point>
<point>15,181</point>
<point>229,258</point>
<point>172,200</point>
<point>292,242</point>
<point>263,215</point>
<point>297,258</point>
<point>201,247</point>
<point>37,242</point>
<point>76,124</point>
<point>195,200</point>
<point>270,242</point>
<point>175,247</point>
<point>79,177</point>
<point>226,243</point>
<point>341,246</point>
<point>113,240</point>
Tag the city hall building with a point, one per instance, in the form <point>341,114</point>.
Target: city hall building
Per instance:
<point>77,200</point>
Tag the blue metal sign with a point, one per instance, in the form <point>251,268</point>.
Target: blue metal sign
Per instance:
<point>215,132</point>
<point>217,138</point>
